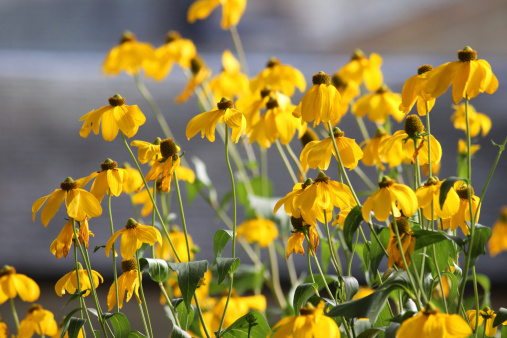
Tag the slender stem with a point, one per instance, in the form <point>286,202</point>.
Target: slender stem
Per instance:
<point>153,214</point>
<point>318,266</point>
<point>201,318</point>
<point>275,277</point>
<point>335,260</point>
<point>365,178</point>
<point>349,264</point>
<point>143,318</point>
<point>147,322</point>
<point>136,211</point>
<point>428,130</point>
<point>264,170</point>
<point>309,262</point>
<point>14,313</point>
<point>169,304</point>
<point>362,127</point>
<point>286,162</point>
<point>296,161</point>
<point>476,294</point>
<point>469,141</point>
<point>114,251</point>
<point>441,283</point>
<point>182,213</point>
<point>239,49</point>
<point>81,298</point>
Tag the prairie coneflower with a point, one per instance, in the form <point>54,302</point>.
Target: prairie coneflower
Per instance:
<point>413,92</point>
<point>407,243</point>
<point>478,121</point>
<point>128,281</point>
<point>164,250</point>
<point>133,237</point>
<point>486,316</point>
<point>428,197</point>
<point>61,245</point>
<point>200,73</point>
<point>69,282</point>
<point>230,82</point>
<point>38,320</point>
<point>279,77</point>
<point>232,10</point>
<point>13,284</point>
<point>147,151</point>
<point>360,69</point>
<point>379,105</point>
<point>295,242</point>
<point>167,165</point>
<point>370,151</point>
<point>258,230</point>
<point>498,240</point>
<point>463,215</point>
<point>108,180</point>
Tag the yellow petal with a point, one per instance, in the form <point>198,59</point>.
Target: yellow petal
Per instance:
<point>52,206</point>
<point>201,9</point>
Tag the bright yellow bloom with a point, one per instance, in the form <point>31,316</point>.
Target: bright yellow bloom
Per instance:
<point>277,76</point>
<point>371,154</point>
<point>165,166</point>
<point>80,203</point>
<point>322,102</point>
<point>238,307</point>
<point>258,230</point>
<point>175,50</point>
<point>463,215</point>
<point>413,91</point>
<point>487,316</point>
<point>363,292</point>
<point>129,56</point>
<point>428,195</point>
<point>69,282</point>
<point>361,69</point>
<point>4,330</point>
<point>295,242</point>
<point>147,151</point>
<point>379,105</point>
<point>462,148</point>
<point>133,237</point>
<point>477,120</point>
<point>13,284</point>
<point>433,324</point>
<point>383,201</point>
<point>468,76</point>
<point>39,321</point>
<point>61,245</point>
<point>117,116</point>
<point>340,218</point>
<point>128,281</point>
<point>143,197</point>
<point>318,153</point>
<point>311,323</point>
<point>400,147</point>
<point>200,73</point>
<point>134,180</point>
<point>230,82</point>
<point>348,90</point>
<point>407,244</point>
<point>232,10</point>
<point>498,241</point>
<point>109,180</point>
<point>165,251</point>
<point>206,122</point>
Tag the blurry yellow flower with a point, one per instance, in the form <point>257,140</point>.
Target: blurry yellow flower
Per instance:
<point>4,330</point>
<point>133,237</point>
<point>498,241</point>
<point>61,245</point>
<point>487,316</point>
<point>433,324</point>
<point>435,168</point>
<point>295,242</point>
<point>165,167</point>
<point>143,197</point>
<point>340,218</point>
<point>361,69</point>
<point>206,122</point>
<point>348,90</point>
<point>371,154</point>
<point>13,284</point>
<point>288,201</point>
<point>109,180</point>
<point>322,102</point>
<point>175,50</point>
<point>80,203</point>
<point>400,147</point>
<point>379,105</point>
<point>383,201</point>
<point>277,76</point>
<point>134,180</point>
<point>230,82</point>
<point>200,73</point>
<point>39,321</point>
<point>477,120</point>
<point>202,291</point>
<point>59,333</point>
<point>462,148</point>
<point>69,282</point>
<point>363,292</point>
<point>413,91</point>
<point>258,230</point>
<point>463,215</point>
<point>165,251</point>
<point>318,153</point>
<point>238,307</point>
<point>407,244</point>
<point>147,151</point>
<point>428,195</point>
<point>117,116</point>
<point>129,56</point>
<point>128,281</point>
<point>232,10</point>
<point>311,323</point>
<point>468,76</point>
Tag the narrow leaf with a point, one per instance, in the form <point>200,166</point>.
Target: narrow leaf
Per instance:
<point>185,318</point>
<point>239,329</point>
<point>226,265</point>
<point>352,222</point>
<point>219,242</point>
<point>501,316</point>
<point>482,235</point>
<point>121,325</point>
<point>136,334</point>
<point>350,286</point>
<point>179,333</point>
<point>445,187</point>
<point>302,294</point>
<point>66,321</point>
<point>189,275</point>
<point>75,326</point>
<point>427,237</point>
<point>157,268</point>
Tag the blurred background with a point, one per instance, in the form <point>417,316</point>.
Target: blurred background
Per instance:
<point>51,53</point>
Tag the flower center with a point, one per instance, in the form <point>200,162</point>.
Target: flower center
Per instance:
<point>307,183</point>
<point>273,61</point>
<point>463,192</point>
<point>266,91</point>
<point>131,224</point>
<point>467,54</point>
<point>383,89</point>
<point>386,182</point>
<point>337,132</point>
<point>358,55</point>
<point>7,270</point>
<point>431,181</point>
<point>225,103</point>
<point>297,223</point>
<point>272,103</point>
<point>168,148</point>
<point>402,224</point>
<point>321,177</point>
<point>34,307</point>
<point>128,265</point>
<point>308,137</point>
<point>306,311</point>
<point>116,100</point>
<point>108,164</point>
<point>413,125</point>
<point>424,69</point>
<point>68,184</point>
<point>338,81</point>
<point>321,78</point>
<point>172,36</point>
<point>127,36</point>
<point>196,64</point>
<point>380,132</point>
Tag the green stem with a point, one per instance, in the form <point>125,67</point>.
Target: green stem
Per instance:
<point>143,318</point>
<point>114,251</point>
<point>153,255</point>
<point>239,49</point>
<point>309,262</point>
<point>296,161</point>
<point>365,178</point>
<point>182,213</point>
<point>146,322</point>
<point>201,318</point>
<point>275,277</point>
<point>264,170</point>
<point>169,304</point>
<point>14,313</point>
<point>469,142</point>
<point>349,264</point>
<point>318,265</point>
<point>335,260</point>
<point>286,162</point>
<point>441,283</point>
<point>428,130</point>
<point>476,294</point>
<point>362,128</point>
<point>81,298</point>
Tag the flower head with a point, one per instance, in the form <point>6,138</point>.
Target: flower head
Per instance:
<point>232,10</point>
<point>477,120</point>
<point>109,179</point>
<point>13,284</point>
<point>206,122</point>
<point>486,316</point>
<point>498,240</point>
<point>348,90</point>
<point>230,82</point>
<point>147,151</point>
<point>165,251</point>
<point>340,217</point>
<point>370,151</point>
<point>80,203</point>
<point>407,243</point>
<point>37,320</point>
<point>69,282</point>
<point>128,281</point>
<point>133,181</point>
<point>428,197</point>
<point>361,69</point>
<point>133,237</point>
<point>462,148</point>
<point>413,92</point>
<point>117,116</point>
<point>379,105</point>
<point>61,245</point>
<point>200,72</point>
<point>279,77</point>
<point>295,242</point>
<point>238,306</point>
<point>258,230</point>
<point>463,215</point>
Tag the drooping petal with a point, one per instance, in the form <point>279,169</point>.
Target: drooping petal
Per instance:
<point>52,206</point>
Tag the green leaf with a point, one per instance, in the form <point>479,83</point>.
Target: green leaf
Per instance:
<point>219,242</point>
<point>485,283</point>
<point>501,146</point>
<point>302,294</point>
<point>179,333</point>
<point>226,265</point>
<point>376,252</point>
<point>98,247</point>
<point>201,173</point>
<point>352,222</point>
<point>321,282</point>
<point>446,186</point>
<point>136,334</point>
<point>189,275</point>
<point>371,333</point>
<point>239,329</point>
<point>157,268</point>
<point>249,277</point>
<point>185,318</point>
<point>193,189</point>
<point>482,235</point>
<point>120,323</point>
<point>427,237</point>
<point>462,168</point>
<point>66,321</point>
<point>96,333</point>
<point>501,316</point>
<point>350,286</point>
<point>77,295</point>
<point>75,325</point>
<point>453,287</point>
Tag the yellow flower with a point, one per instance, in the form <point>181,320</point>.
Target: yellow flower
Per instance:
<point>202,291</point>
<point>232,10</point>
<point>462,148</point>
<point>340,218</point>
<point>435,168</point>
<point>383,201</point>
<point>258,230</point>
<point>407,244</point>
<point>433,324</point>
<point>498,240</point>
<point>165,251</point>
<point>69,282</point>
<point>361,69</point>
<point>477,120</point>
<point>128,281</point>
<point>4,330</point>
<point>147,151</point>
<point>487,316</point>
<point>348,90</point>
<point>463,215</point>
<point>117,116</point>
<point>175,50</point>
<point>371,154</point>
<point>310,323</point>
<point>230,82</point>
<point>400,147</point>
<point>80,203</point>
<point>133,237</point>
<point>468,76</point>
<point>109,180</point>
<point>238,307</point>
<point>134,180</point>
<point>379,105</point>
<point>206,122</point>
<point>277,76</point>
<point>318,153</point>
<point>200,72</point>
<point>413,91</point>
<point>39,321</point>
<point>129,56</point>
<point>143,197</point>
<point>61,245</point>
<point>322,102</point>
<point>295,242</point>
<point>13,284</point>
<point>363,292</point>
<point>428,195</point>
